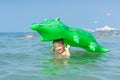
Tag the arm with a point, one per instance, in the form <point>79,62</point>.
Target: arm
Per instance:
<point>67,50</point>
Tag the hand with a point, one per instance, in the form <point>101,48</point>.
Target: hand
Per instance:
<point>53,49</point>
<point>67,47</point>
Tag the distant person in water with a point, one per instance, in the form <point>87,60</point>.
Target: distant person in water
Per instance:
<point>62,51</point>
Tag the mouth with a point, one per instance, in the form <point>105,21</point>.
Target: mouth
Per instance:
<point>60,51</point>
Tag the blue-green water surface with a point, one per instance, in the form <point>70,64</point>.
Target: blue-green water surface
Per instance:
<point>26,58</point>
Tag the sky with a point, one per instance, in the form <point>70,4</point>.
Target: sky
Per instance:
<point>18,15</point>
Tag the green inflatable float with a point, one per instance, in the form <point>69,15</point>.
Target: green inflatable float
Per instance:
<point>54,29</point>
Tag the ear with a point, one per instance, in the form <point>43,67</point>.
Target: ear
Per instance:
<point>57,19</point>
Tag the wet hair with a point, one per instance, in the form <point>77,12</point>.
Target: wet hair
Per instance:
<point>61,41</point>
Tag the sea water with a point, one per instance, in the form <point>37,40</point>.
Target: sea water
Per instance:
<point>24,57</point>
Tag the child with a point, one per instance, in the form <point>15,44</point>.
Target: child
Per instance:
<point>62,52</point>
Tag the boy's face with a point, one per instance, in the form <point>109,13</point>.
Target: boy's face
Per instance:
<point>59,48</point>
